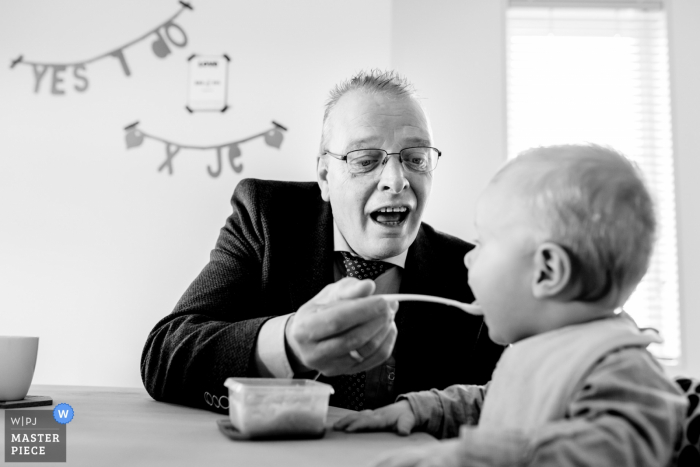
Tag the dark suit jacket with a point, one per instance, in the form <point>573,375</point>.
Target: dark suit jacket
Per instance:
<point>273,255</point>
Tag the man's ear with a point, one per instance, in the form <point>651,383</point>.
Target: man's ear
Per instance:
<point>322,177</point>
<point>552,271</point>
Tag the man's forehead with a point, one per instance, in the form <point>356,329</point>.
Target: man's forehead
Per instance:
<point>376,141</point>
<point>364,120</point>
<point>359,106</point>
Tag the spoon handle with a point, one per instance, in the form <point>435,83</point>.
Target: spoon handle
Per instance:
<point>471,309</point>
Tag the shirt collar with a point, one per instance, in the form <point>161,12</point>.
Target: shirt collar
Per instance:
<point>339,244</point>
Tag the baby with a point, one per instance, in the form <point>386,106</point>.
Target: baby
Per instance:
<point>565,234</point>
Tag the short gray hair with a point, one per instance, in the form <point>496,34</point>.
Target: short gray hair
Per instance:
<point>594,203</point>
<point>377,81</point>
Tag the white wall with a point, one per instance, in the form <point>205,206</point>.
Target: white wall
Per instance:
<point>684,38</point>
<point>96,245</point>
<point>454,52</point>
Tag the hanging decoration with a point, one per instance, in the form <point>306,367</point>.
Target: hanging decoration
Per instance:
<point>273,137</point>
<point>174,33</point>
<point>207,86</point>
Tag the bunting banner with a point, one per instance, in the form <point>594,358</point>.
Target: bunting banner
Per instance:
<point>168,29</point>
<point>273,137</point>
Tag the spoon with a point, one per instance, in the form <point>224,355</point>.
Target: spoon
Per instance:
<point>469,308</point>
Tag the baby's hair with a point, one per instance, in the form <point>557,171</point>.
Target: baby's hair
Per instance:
<point>374,81</point>
<point>592,201</point>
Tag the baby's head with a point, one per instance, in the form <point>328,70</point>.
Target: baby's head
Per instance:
<point>564,235</point>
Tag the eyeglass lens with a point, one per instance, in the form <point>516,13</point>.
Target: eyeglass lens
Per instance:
<point>419,159</point>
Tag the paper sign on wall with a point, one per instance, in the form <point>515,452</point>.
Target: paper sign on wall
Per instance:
<point>208,83</point>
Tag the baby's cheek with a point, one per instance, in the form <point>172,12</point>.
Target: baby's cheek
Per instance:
<point>477,279</point>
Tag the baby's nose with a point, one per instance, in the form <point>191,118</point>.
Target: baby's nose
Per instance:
<point>467,259</point>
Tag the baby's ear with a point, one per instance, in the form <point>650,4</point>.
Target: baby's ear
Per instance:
<point>552,271</point>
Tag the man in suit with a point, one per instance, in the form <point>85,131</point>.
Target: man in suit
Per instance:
<point>291,287</point>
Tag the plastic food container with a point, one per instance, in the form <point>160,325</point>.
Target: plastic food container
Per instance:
<point>278,408</point>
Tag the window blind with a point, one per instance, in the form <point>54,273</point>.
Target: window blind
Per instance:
<point>600,75</point>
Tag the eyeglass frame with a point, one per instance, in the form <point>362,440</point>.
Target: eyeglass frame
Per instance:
<point>386,158</point>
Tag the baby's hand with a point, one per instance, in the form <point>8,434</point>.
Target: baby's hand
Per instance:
<point>397,417</point>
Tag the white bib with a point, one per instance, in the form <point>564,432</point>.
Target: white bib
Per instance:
<point>536,378</point>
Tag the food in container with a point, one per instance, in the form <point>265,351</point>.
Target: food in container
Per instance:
<point>278,408</point>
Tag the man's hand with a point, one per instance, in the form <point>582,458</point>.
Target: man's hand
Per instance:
<point>342,317</point>
<point>396,417</point>
<point>445,454</point>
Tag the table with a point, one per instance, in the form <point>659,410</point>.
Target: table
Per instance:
<point>124,426</point>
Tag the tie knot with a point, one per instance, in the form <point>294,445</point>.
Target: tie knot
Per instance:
<point>362,268</point>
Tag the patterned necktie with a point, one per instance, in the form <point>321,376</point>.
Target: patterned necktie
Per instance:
<point>350,390</point>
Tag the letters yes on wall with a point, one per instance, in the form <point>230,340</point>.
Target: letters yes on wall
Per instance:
<point>207,91</point>
<point>168,29</point>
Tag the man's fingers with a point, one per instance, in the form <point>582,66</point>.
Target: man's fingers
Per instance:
<point>374,341</point>
<point>338,317</point>
<point>365,339</point>
<point>380,349</point>
<point>347,365</point>
<point>341,319</point>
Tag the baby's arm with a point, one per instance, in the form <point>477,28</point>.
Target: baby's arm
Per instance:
<point>440,413</point>
<point>627,414</point>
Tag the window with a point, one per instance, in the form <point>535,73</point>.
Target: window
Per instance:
<point>600,74</point>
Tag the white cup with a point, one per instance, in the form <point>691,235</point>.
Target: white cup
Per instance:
<point>17,362</point>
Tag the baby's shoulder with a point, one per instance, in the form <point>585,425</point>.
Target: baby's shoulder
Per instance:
<point>628,373</point>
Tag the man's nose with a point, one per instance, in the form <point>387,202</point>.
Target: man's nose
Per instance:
<point>392,178</point>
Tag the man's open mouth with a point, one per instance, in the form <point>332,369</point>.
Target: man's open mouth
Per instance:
<point>390,215</point>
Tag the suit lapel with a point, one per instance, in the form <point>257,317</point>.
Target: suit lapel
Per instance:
<point>417,278</point>
<point>412,320</point>
<point>419,273</point>
<point>313,255</point>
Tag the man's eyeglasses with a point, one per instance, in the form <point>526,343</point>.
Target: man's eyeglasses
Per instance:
<point>420,159</point>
